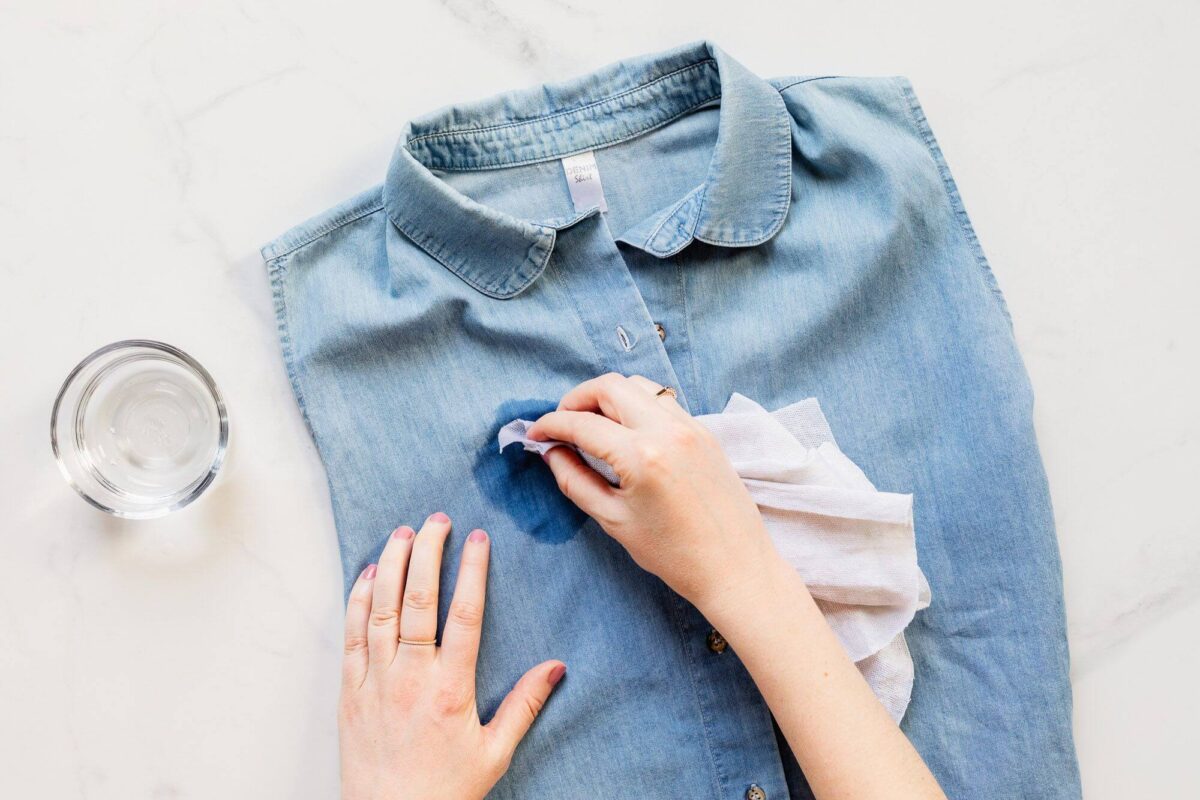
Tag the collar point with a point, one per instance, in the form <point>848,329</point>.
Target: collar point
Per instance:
<point>541,247</point>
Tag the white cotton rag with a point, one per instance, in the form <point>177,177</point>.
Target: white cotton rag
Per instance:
<point>854,546</point>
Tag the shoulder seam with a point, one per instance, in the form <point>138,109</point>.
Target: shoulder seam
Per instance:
<point>275,250</point>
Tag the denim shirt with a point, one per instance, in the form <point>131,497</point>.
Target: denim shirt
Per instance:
<point>780,238</point>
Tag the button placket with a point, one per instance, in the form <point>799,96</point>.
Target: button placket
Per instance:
<point>656,350</point>
<point>589,266</point>
<point>610,304</point>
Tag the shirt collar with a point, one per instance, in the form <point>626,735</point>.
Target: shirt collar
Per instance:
<point>743,201</point>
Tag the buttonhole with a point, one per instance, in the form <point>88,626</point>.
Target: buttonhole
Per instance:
<point>627,341</point>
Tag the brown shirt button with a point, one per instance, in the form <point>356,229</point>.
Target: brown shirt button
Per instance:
<point>716,642</point>
<point>662,332</point>
<point>755,792</point>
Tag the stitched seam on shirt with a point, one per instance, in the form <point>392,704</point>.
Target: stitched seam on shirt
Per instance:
<point>593,330</point>
<point>917,116</point>
<point>328,228</point>
<point>666,218</point>
<point>539,268</point>
<point>492,289</point>
<point>719,778</point>
<point>919,121</point>
<point>466,132</point>
<point>687,324</point>
<point>781,203</point>
<point>277,268</point>
<point>762,235</point>
<point>427,244</point>
<point>785,87</point>
<point>486,165</point>
<point>578,308</point>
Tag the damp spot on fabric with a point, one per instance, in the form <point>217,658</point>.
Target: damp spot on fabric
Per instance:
<point>519,483</point>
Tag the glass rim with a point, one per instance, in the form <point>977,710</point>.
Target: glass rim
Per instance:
<point>198,487</point>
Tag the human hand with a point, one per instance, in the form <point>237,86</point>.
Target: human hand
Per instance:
<point>681,510</point>
<point>408,723</point>
<point>683,513</point>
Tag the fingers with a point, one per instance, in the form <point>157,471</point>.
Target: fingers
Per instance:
<point>385,599</point>
<point>419,608</point>
<point>593,433</point>
<point>665,401</point>
<point>358,614</point>
<point>460,637</point>
<point>645,384</point>
<point>616,397</point>
<point>522,705</point>
<point>581,484</point>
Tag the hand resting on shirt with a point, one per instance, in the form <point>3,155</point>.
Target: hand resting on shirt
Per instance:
<point>408,723</point>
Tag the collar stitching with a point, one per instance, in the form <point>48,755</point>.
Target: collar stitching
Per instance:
<point>667,217</point>
<point>480,166</point>
<point>464,132</point>
<point>491,289</point>
<point>784,198</point>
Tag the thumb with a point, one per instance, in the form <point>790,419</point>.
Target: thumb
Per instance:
<point>522,705</point>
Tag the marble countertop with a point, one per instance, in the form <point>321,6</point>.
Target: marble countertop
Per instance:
<point>147,149</point>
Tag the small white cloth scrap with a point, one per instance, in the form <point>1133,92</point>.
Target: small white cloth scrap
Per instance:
<point>854,546</point>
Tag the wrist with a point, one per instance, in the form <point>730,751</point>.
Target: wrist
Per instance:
<point>746,582</point>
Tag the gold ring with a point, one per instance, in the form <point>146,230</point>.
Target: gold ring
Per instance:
<point>402,640</point>
<point>667,390</point>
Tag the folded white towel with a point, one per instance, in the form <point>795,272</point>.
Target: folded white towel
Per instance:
<point>853,545</point>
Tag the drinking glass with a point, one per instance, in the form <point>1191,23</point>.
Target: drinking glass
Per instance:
<point>139,429</point>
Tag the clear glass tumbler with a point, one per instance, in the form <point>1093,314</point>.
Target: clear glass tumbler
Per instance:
<point>139,429</point>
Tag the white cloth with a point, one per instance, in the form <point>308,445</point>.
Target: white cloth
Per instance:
<point>854,546</point>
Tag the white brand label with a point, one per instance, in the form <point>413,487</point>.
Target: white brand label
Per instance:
<point>583,181</point>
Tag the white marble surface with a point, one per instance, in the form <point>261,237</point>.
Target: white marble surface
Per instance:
<point>148,148</point>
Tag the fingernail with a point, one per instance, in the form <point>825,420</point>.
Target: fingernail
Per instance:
<point>403,532</point>
<point>556,674</point>
<point>477,535</point>
<point>439,517</point>
<point>545,456</point>
<point>369,572</point>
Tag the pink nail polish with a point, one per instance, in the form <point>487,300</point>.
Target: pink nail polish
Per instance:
<point>439,517</point>
<point>556,674</point>
<point>477,535</point>
<point>369,572</point>
<point>403,532</point>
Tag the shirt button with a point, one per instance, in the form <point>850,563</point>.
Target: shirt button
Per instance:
<point>662,332</point>
<point>717,643</point>
<point>755,792</point>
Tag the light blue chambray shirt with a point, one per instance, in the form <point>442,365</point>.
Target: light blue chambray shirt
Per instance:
<point>780,238</point>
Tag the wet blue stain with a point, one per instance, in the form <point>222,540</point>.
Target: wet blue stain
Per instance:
<point>520,485</point>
